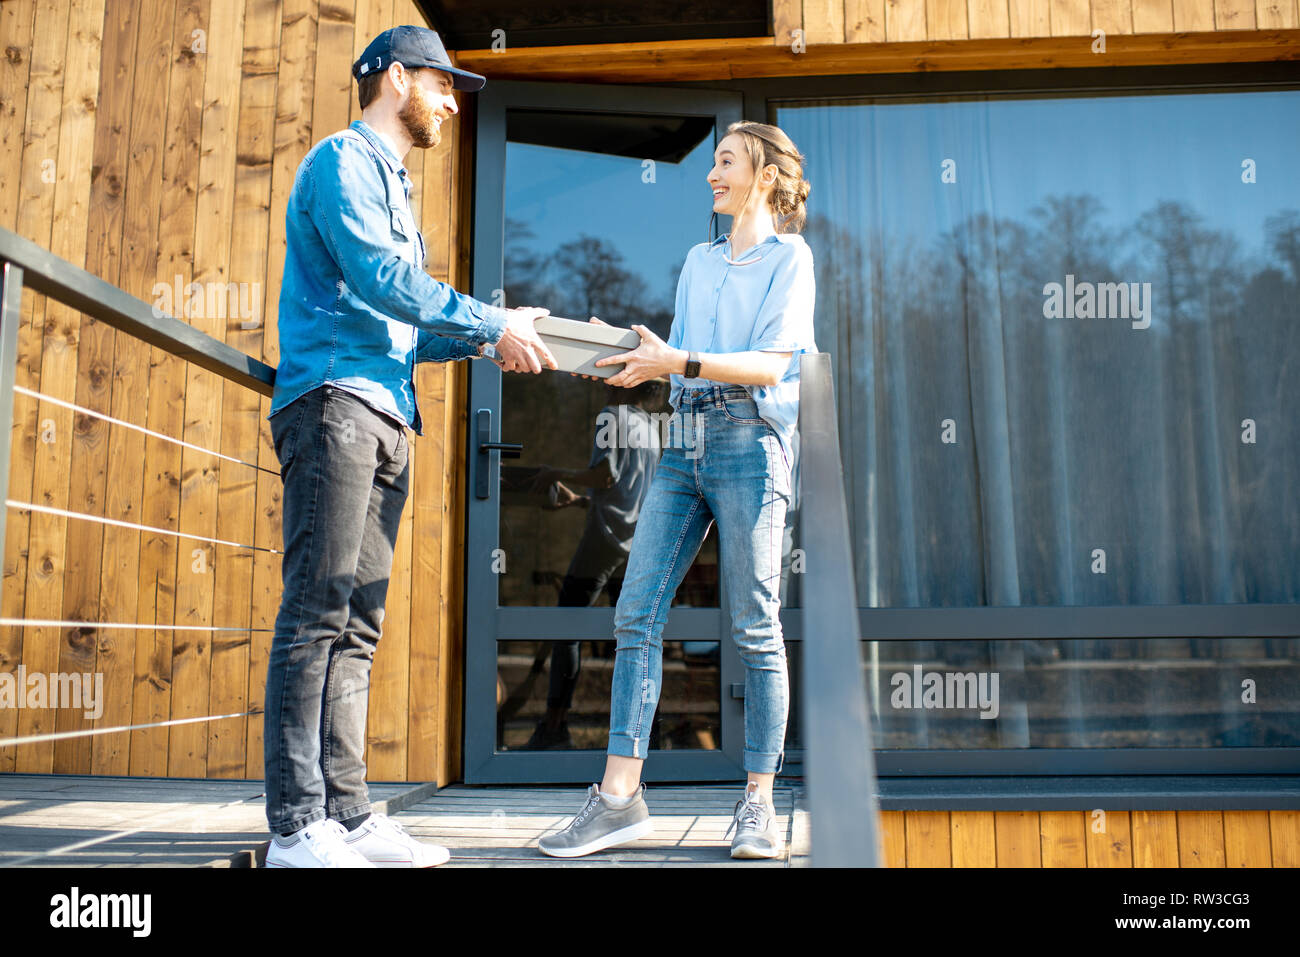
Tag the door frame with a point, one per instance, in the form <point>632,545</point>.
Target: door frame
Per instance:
<point>486,623</point>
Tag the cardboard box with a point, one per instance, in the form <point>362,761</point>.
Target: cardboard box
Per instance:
<point>577,345</point>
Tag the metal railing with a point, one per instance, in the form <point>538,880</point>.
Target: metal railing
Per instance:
<point>25,265</point>
<point>839,763</point>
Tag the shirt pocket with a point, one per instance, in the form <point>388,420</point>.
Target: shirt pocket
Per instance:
<point>403,228</point>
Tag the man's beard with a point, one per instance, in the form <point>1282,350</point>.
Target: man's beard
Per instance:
<point>418,117</point>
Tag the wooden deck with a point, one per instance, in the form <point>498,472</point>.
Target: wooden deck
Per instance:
<point>88,821</point>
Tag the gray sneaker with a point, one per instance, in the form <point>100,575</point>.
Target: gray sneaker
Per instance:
<point>757,836</point>
<point>599,825</point>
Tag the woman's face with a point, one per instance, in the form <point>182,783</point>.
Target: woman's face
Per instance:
<point>731,177</point>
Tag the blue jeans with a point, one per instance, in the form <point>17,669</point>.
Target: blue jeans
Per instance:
<point>736,473</point>
<point>345,475</point>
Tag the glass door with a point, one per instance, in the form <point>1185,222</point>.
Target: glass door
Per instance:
<point>587,200</point>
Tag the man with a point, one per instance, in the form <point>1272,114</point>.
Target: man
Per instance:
<point>357,312</point>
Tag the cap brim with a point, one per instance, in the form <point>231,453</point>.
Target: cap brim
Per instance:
<point>464,80</point>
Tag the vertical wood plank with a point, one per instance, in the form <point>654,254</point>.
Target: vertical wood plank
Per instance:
<point>787,17</point>
<point>451,670</point>
<point>1153,16</point>
<point>1017,838</point>
<point>1200,839</point>
<point>1030,18</point>
<point>426,726</point>
<point>864,21</point>
<point>16,22</point>
<point>946,19</point>
<point>989,18</point>
<point>893,839</point>
<point>241,407</point>
<point>1234,14</point>
<point>823,21</point>
<point>112,79</point>
<point>1112,16</point>
<point>904,20</point>
<point>390,688</point>
<point>1111,845</point>
<point>1246,839</point>
<point>333,82</point>
<point>293,138</point>
<point>390,684</point>
<point>201,471</point>
<point>55,175</point>
<point>160,554</point>
<point>1284,831</point>
<point>1063,841</point>
<point>974,839</point>
<point>121,557</point>
<point>1193,16</point>
<point>1155,838</point>
<point>1071,18</point>
<point>1276,14</point>
<point>929,838</point>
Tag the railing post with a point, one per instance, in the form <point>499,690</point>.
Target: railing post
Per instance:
<point>11,301</point>
<point>840,766</point>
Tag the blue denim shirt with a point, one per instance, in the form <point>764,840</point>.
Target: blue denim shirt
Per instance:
<point>765,305</point>
<point>357,310</point>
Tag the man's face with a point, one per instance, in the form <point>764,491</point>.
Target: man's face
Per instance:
<point>429,101</point>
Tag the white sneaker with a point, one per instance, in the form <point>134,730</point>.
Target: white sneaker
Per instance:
<point>321,844</point>
<point>385,843</point>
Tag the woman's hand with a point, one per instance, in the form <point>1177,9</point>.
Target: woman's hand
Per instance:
<point>650,360</point>
<point>593,378</point>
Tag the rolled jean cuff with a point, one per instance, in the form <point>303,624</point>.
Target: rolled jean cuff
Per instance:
<point>298,823</point>
<point>763,762</point>
<point>626,746</point>
<point>357,810</point>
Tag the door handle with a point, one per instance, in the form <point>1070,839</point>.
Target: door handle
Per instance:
<point>484,447</point>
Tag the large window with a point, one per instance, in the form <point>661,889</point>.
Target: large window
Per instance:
<point>1066,342</point>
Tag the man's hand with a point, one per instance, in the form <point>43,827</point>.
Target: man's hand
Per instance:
<point>521,349</point>
<point>651,359</point>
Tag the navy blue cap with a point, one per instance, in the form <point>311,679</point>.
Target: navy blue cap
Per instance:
<point>413,47</point>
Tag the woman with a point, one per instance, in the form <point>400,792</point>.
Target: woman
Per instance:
<point>744,313</point>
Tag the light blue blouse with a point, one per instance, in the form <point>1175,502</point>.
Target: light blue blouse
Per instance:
<point>766,306</point>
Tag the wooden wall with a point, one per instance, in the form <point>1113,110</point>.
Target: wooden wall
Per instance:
<point>146,139</point>
<point>890,21</point>
<point>1082,839</point>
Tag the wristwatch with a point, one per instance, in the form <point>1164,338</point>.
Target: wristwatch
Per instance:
<point>692,366</point>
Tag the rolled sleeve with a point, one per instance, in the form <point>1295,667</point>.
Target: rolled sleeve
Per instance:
<point>354,223</point>
<point>436,348</point>
<point>785,320</point>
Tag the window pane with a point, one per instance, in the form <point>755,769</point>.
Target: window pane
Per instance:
<point>1065,342</point>
<point>1112,693</point>
<point>601,210</point>
<point>554,695</point>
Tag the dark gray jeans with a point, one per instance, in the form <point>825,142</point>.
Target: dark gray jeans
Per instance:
<point>345,475</point>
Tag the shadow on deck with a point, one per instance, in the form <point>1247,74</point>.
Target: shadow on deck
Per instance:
<point>92,821</point>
